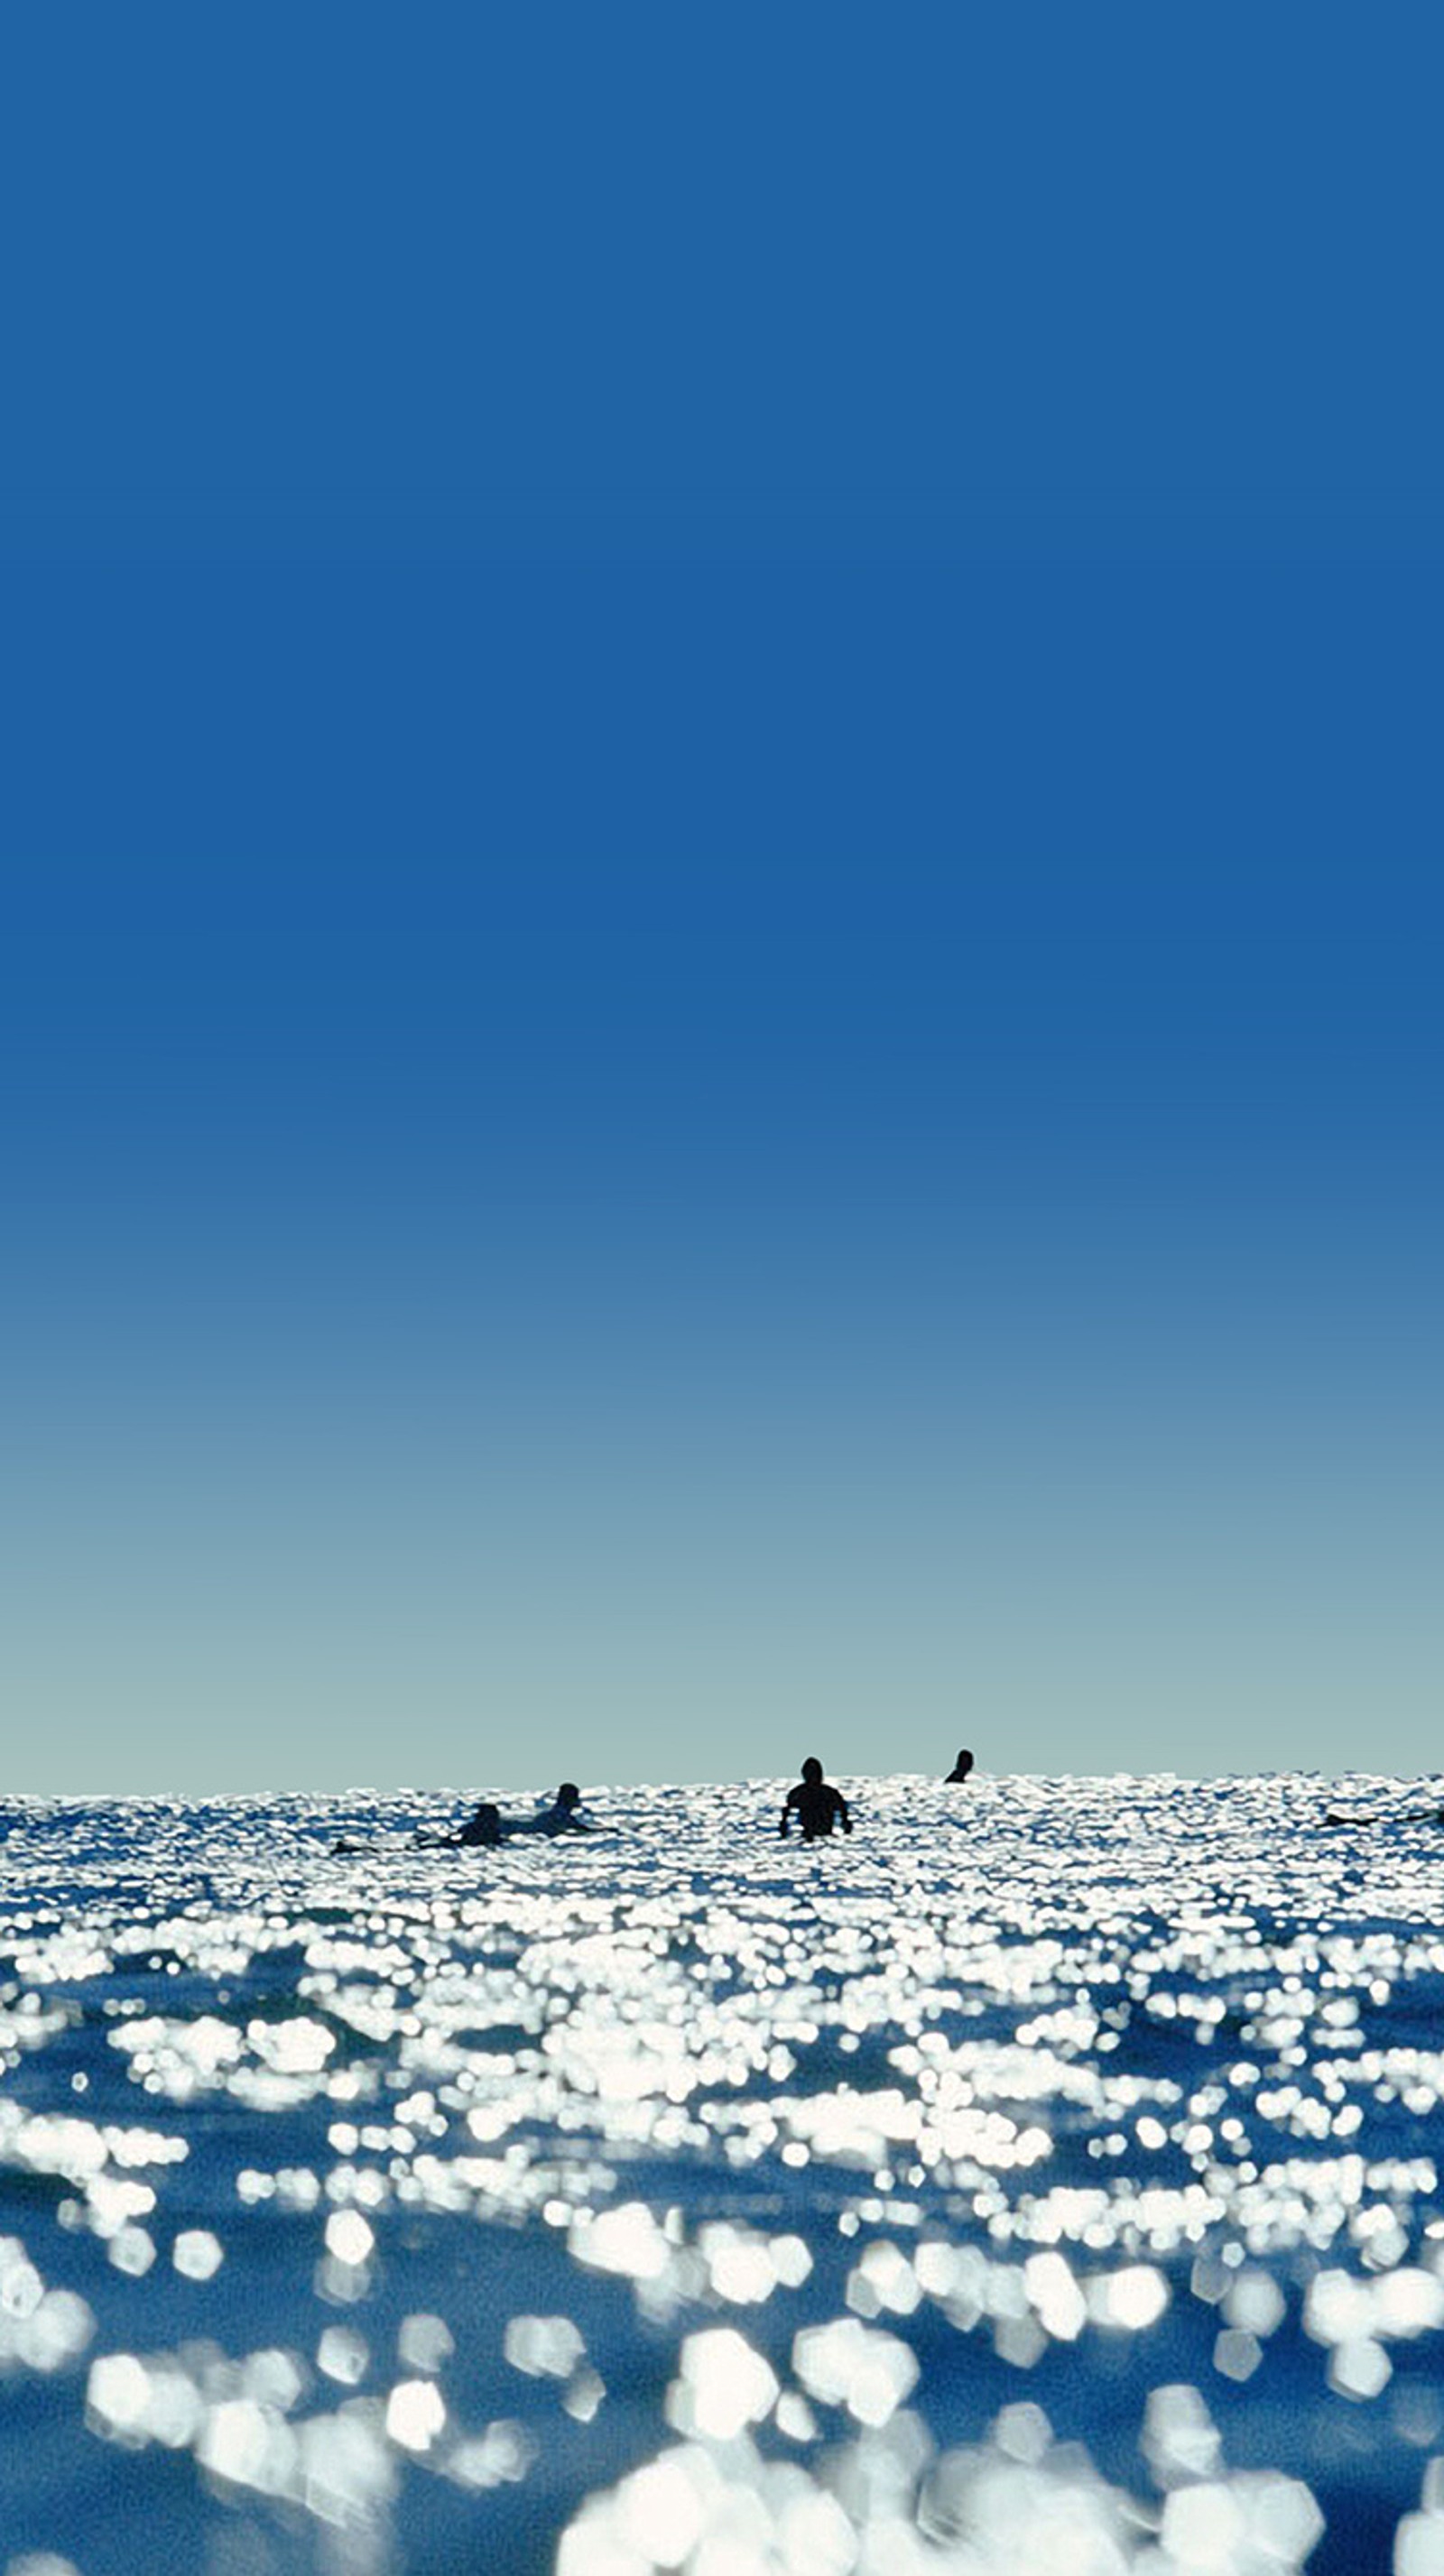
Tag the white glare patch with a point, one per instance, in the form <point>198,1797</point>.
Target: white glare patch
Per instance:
<point>1359,2368</point>
<point>272,2378</point>
<point>1283,2519</point>
<point>1419,2545</point>
<point>815,2535</point>
<point>723,2386</point>
<point>543,2347</point>
<point>1180,2438</point>
<point>1408,2302</point>
<point>135,2402</point>
<point>132,2251</point>
<point>626,2240</point>
<point>197,2253</point>
<point>342,2355</point>
<point>425,2344</point>
<point>346,2469</point>
<point>1023,2433</point>
<point>1052,2290</point>
<point>415,2414</point>
<point>852,2365</point>
<point>660,2512</point>
<point>1131,2299</point>
<point>501,2456</point>
<point>349,2238</point>
<point>1203,2527</point>
<point>795,2417</point>
<point>40,2329</point>
<point>246,2445</point>
<point>1253,2522</point>
<point>739,2266</point>
<point>1236,2355</point>
<point>583,2394</point>
<point>1338,2308</point>
<point>299,2047</point>
<point>116,2394</point>
<point>1255,2302</point>
<point>791,2261</point>
<point>884,2281</point>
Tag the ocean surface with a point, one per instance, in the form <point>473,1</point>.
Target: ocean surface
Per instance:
<point>1046,2178</point>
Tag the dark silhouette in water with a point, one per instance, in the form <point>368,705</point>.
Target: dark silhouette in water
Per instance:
<point>562,1817</point>
<point>489,1826</point>
<point>483,1827</point>
<point>1391,1816</point>
<point>819,1806</point>
<point>961,1767</point>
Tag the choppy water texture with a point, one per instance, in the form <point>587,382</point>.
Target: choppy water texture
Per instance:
<point>1044,2179</point>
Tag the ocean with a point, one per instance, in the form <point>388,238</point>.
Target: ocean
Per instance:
<point>1046,2178</point>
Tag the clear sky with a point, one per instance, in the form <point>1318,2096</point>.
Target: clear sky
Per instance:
<point>720,956</point>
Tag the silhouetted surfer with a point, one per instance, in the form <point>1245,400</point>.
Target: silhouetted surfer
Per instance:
<point>483,1827</point>
<point>1391,1816</point>
<point>961,1767</point>
<point>563,1816</point>
<point>818,1805</point>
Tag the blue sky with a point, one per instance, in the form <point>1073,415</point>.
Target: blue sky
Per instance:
<point>721,895</point>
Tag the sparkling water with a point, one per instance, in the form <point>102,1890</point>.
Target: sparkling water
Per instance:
<point>1045,2178</point>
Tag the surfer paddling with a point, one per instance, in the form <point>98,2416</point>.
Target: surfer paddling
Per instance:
<point>482,1828</point>
<point>564,1815</point>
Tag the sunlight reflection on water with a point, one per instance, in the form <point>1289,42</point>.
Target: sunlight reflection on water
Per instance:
<point>1045,2178</point>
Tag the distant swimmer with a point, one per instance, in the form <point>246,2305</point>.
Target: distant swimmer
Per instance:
<point>481,1829</point>
<point>564,1815</point>
<point>817,1804</point>
<point>961,1767</point>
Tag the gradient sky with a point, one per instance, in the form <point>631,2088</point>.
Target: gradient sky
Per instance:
<point>720,942</point>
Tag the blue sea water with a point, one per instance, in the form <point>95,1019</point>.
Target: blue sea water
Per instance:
<point>1046,2178</point>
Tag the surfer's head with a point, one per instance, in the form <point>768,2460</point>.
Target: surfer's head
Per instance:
<point>812,1769</point>
<point>569,1795</point>
<point>964,1761</point>
<point>487,1822</point>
